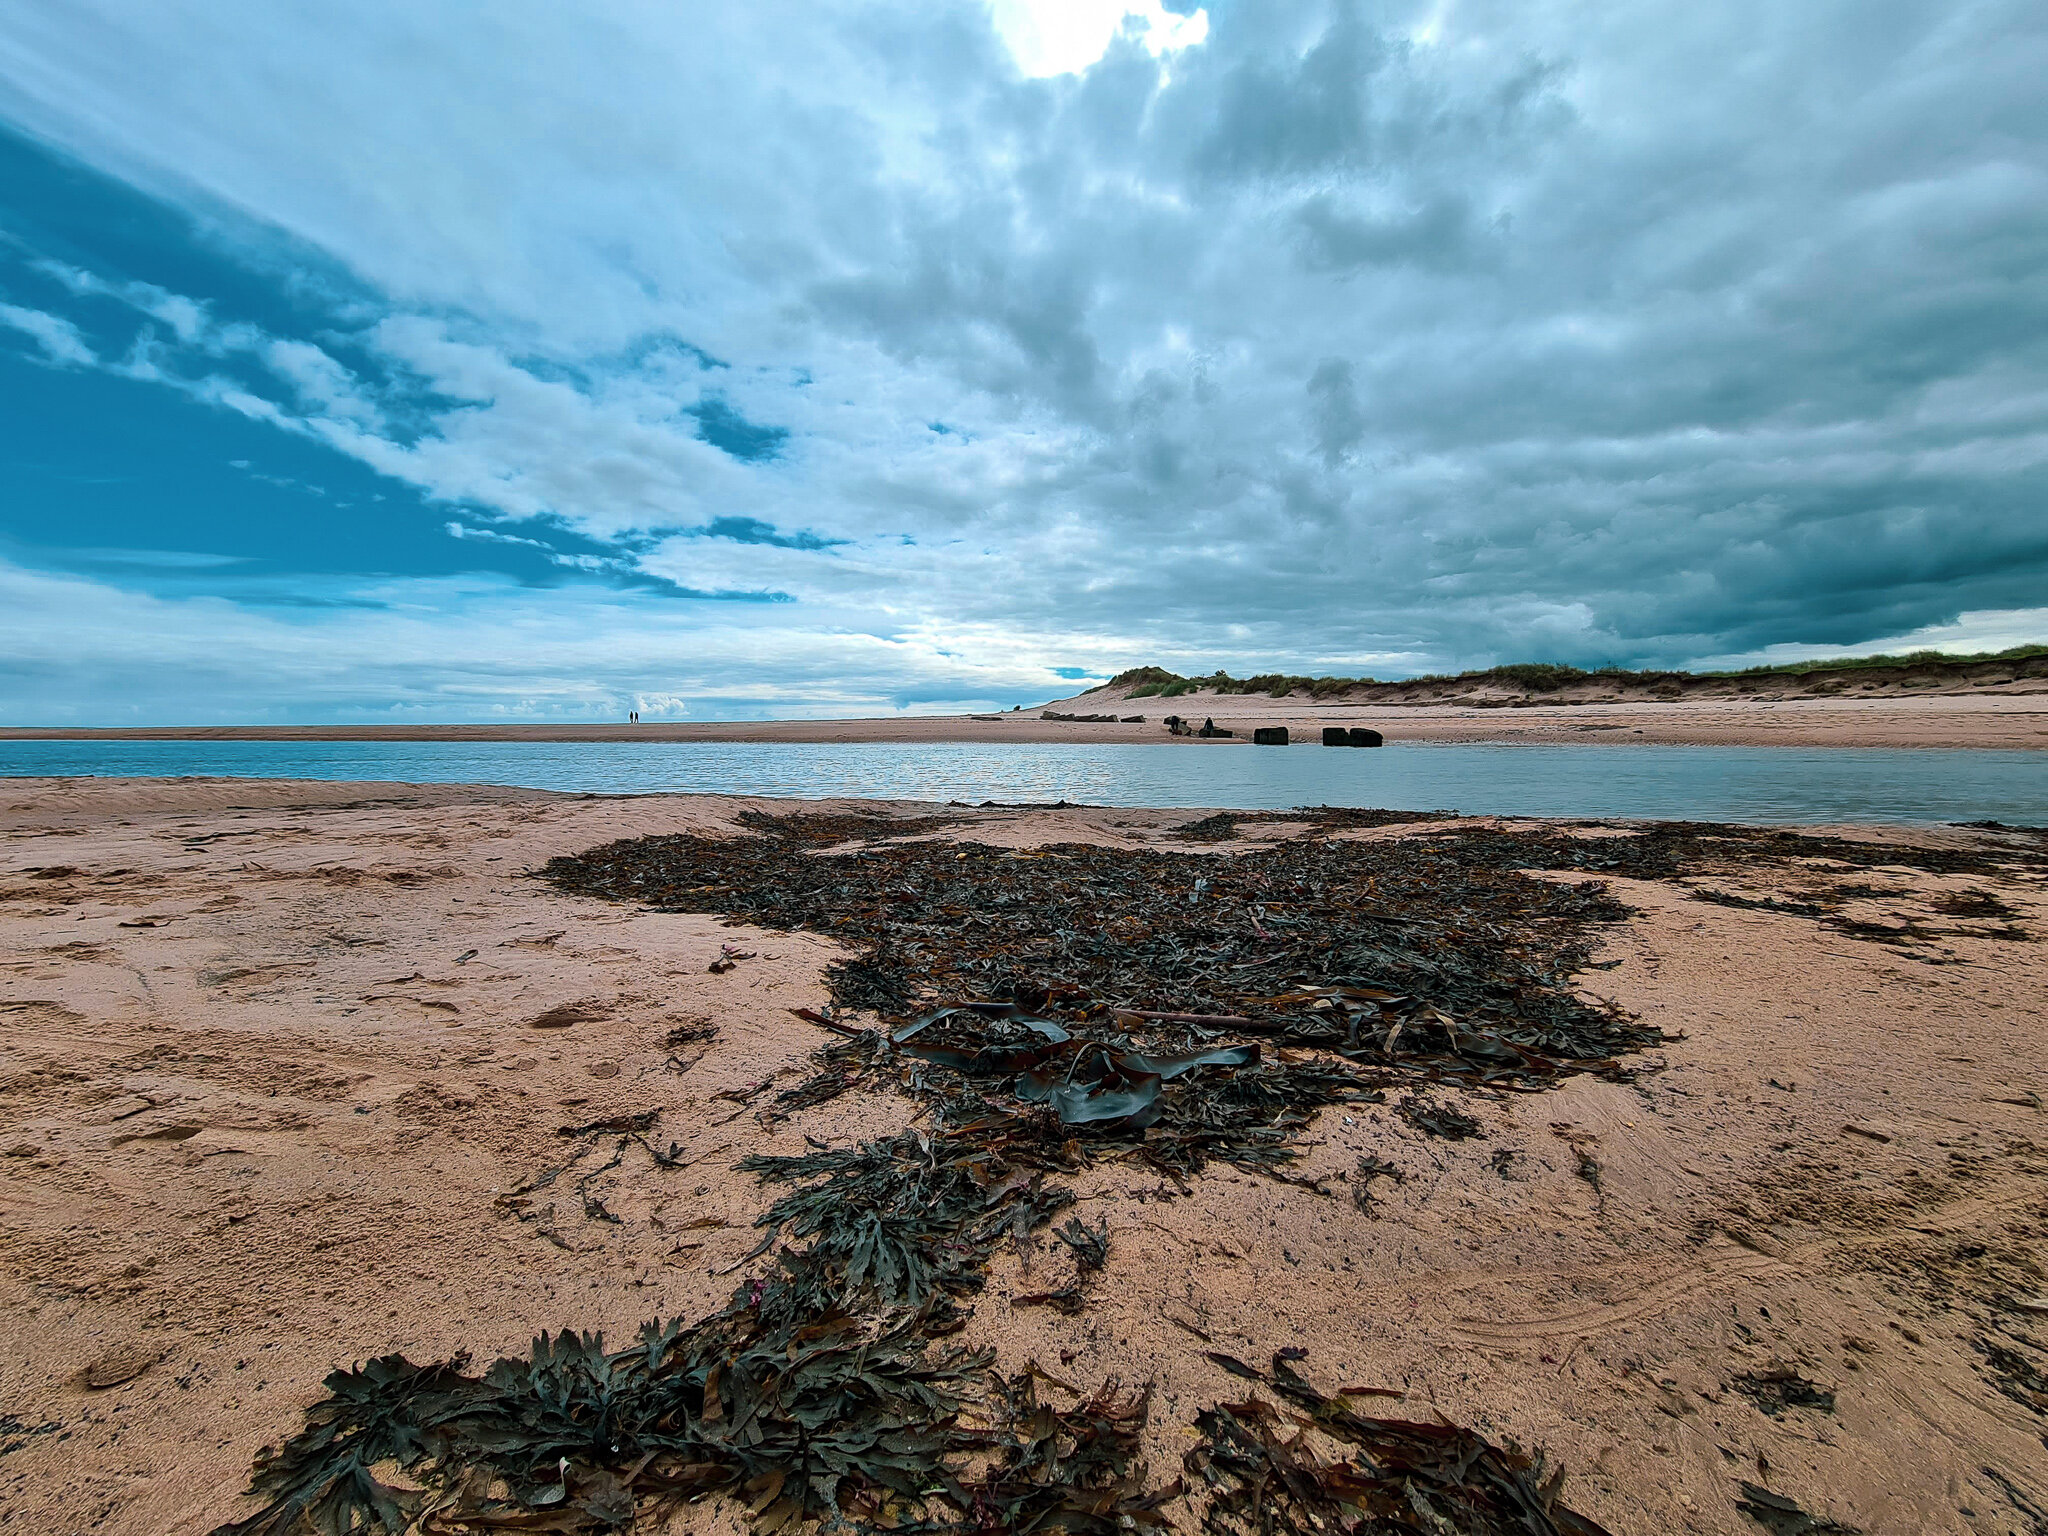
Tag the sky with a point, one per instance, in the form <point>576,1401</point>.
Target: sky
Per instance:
<point>410,360</point>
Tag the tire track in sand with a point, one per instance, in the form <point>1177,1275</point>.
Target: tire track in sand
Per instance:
<point>1739,1265</point>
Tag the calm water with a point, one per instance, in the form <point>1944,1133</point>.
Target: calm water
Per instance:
<point>1759,784</point>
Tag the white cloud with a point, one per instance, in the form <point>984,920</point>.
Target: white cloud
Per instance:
<point>57,336</point>
<point>1058,37</point>
<point>80,650</point>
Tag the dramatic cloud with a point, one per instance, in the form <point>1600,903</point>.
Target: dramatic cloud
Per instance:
<point>819,353</point>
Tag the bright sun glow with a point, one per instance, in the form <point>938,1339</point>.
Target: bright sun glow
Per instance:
<point>1058,37</point>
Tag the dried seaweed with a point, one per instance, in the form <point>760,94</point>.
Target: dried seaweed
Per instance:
<point>580,1435</point>
<point>889,1235</point>
<point>2015,1375</point>
<point>1902,930</point>
<point>1078,1471</point>
<point>1368,1169</point>
<point>679,1040</point>
<point>1436,955</point>
<point>1089,1245</point>
<point>1761,903</point>
<point>1445,1120</point>
<point>2036,1516</point>
<point>1783,1517</point>
<point>1779,1387</point>
<point>893,1223</point>
<point>1222,825</point>
<point>804,1414</point>
<point>379,1412</point>
<point>16,1433</point>
<point>1667,850</point>
<point>1587,1167</point>
<point>819,1088</point>
<point>1266,1472</point>
<point>1085,1080</point>
<point>1972,904</point>
<point>824,828</point>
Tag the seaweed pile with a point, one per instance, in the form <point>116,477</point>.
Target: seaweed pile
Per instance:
<point>1171,1010</point>
<point>1222,825</point>
<point>1667,850</point>
<point>1680,850</point>
<point>820,1391</point>
<point>1435,955</point>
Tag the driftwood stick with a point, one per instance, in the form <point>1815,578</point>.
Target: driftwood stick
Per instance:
<point>810,1016</point>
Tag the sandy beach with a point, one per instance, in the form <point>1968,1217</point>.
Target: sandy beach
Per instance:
<point>275,1055</point>
<point>2001,719</point>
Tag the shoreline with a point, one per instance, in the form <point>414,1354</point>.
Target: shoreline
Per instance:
<point>276,1052</point>
<point>2014,722</point>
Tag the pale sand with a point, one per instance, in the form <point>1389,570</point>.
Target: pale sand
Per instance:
<point>257,1105</point>
<point>1981,719</point>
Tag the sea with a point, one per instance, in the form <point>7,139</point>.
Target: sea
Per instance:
<point>1741,784</point>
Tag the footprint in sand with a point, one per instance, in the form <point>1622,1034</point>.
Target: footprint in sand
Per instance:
<point>562,1015</point>
<point>178,1132</point>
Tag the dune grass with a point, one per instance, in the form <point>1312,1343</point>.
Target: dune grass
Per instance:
<point>1534,677</point>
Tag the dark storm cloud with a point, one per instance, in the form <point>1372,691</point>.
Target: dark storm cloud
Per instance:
<point>1692,344</point>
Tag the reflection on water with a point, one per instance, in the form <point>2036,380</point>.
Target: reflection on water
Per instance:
<point>1763,784</point>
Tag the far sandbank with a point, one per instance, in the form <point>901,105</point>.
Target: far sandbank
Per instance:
<point>2005,719</point>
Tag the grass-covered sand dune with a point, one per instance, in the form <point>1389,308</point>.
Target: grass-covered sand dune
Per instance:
<point>1552,682</point>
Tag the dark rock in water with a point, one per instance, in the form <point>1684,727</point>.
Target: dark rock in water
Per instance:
<point>1336,736</point>
<point>1366,736</point>
<point>1269,736</point>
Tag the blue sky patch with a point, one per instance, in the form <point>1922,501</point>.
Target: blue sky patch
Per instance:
<point>726,429</point>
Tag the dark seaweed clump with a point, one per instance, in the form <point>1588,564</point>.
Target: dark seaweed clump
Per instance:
<point>1324,1468</point>
<point>821,1390</point>
<point>1436,955</point>
<point>1667,850</point>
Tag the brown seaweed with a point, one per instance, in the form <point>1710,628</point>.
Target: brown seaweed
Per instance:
<point>1436,955</point>
<point>1266,1474</point>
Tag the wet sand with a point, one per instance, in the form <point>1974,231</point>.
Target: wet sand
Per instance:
<point>272,1051</point>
